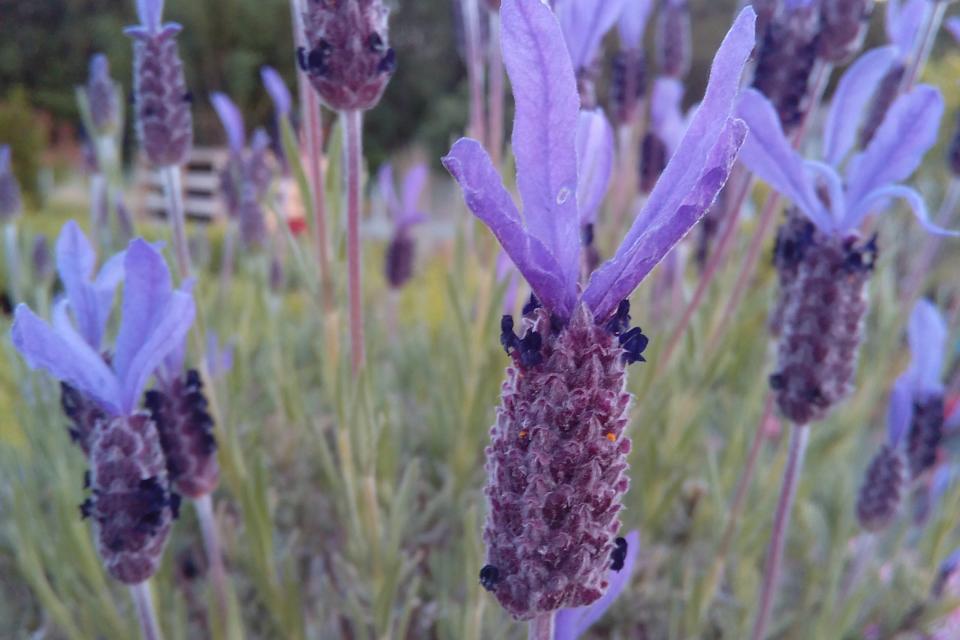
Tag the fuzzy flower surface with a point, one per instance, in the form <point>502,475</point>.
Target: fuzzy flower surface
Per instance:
<point>557,462</point>
<point>405,212</point>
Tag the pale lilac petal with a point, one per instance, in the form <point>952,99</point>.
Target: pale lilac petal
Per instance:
<point>903,22</point>
<point>146,293</point>
<point>387,193</point>
<point>66,356</point>
<point>170,327</point>
<point>854,92</point>
<point>826,178</point>
<point>666,115</point>
<point>277,88</point>
<point>927,336</point>
<point>595,163</point>
<point>899,412</point>
<point>584,23</point>
<point>616,279</point>
<point>544,131</point>
<point>953,26</point>
<point>174,362</point>
<point>486,197</point>
<point>507,270</point>
<point>571,623</point>
<point>4,158</point>
<point>883,198</point>
<point>232,121</point>
<point>76,260</point>
<point>699,165</point>
<point>633,23</point>
<point>413,185</point>
<point>150,13</point>
<point>897,149</point>
<point>771,157</point>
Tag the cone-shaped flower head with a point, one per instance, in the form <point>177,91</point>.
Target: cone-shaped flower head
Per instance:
<point>843,26</point>
<point>347,58</point>
<point>629,72</point>
<point>823,301</point>
<point>666,129</point>
<point>131,502</point>
<point>557,461</point>
<point>161,100</point>
<point>404,212</point>
<point>103,98</point>
<point>584,24</point>
<point>10,203</point>
<point>674,41</point>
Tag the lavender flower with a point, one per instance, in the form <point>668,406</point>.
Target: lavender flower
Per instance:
<point>584,24</point>
<point>40,259</point>
<point>131,502</point>
<point>819,342</point>
<point>879,496</point>
<point>629,82</point>
<point>347,60</point>
<point>10,203</point>
<point>557,462</point>
<point>161,100</point>
<point>843,26</point>
<point>666,129</point>
<point>594,168</point>
<point>103,98</point>
<point>405,213</point>
<point>674,54</point>
<point>277,89</point>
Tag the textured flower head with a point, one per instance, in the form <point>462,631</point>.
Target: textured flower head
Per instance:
<point>10,202</point>
<point>102,97</point>
<point>161,100</point>
<point>405,212</point>
<point>544,242</point>
<point>347,58</point>
<point>155,319</point>
<point>843,26</point>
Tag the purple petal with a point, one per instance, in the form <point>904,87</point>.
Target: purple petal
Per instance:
<point>903,23</point>
<point>486,197</point>
<point>927,336</point>
<point>75,264</point>
<point>595,162</point>
<point>413,185</point>
<point>571,623</point>
<point>232,121</point>
<point>387,193</point>
<point>277,89</point>
<point>666,117</point>
<point>4,158</point>
<point>699,165</point>
<point>616,279</point>
<point>850,100</point>
<point>633,22</point>
<point>174,361</point>
<point>150,13</point>
<point>899,412</point>
<point>769,155</point>
<point>883,197</point>
<point>953,26</point>
<point>146,294</point>
<point>905,135</point>
<point>65,355</point>
<point>584,23</point>
<point>544,133</point>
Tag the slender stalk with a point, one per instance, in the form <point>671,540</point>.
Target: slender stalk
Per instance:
<point>931,25</point>
<point>173,188</point>
<point>149,629</point>
<point>12,253</point>
<point>227,258</point>
<point>99,211</point>
<point>496,88</point>
<point>781,524</point>
<point>471,30</point>
<point>931,244</point>
<point>211,544</point>
<point>353,148</point>
<point>542,627</point>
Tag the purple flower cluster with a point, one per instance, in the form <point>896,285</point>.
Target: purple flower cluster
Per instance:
<point>405,213</point>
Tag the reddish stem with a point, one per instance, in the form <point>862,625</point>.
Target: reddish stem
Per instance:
<point>496,87</point>
<point>542,627</point>
<point>471,29</point>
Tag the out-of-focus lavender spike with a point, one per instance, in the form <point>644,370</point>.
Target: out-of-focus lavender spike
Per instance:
<point>879,496</point>
<point>925,435</point>
<point>953,153</point>
<point>786,55</point>
<point>666,129</point>
<point>277,88</point>
<point>161,100</point>
<point>766,10</point>
<point>399,259</point>
<point>883,98</point>
<point>102,98</point>
<point>231,119</point>
<point>10,203</point>
<point>347,58</point>
<point>794,236</point>
<point>673,39</point>
<point>41,259</point>
<point>843,26</point>
<point>629,65</point>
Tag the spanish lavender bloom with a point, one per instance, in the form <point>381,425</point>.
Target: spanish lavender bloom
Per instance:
<point>161,100</point>
<point>40,259</point>
<point>277,89</point>
<point>405,213</point>
<point>572,623</point>
<point>584,24</point>
<point>594,168</point>
<point>10,203</point>
<point>879,496</point>
<point>557,461</point>
<point>824,302</point>
<point>674,46</point>
<point>786,55</point>
<point>666,129</point>
<point>629,81</point>
<point>102,97</point>
<point>131,502</point>
<point>347,60</point>
<point>843,26</point>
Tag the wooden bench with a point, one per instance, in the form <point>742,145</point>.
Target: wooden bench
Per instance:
<point>201,186</point>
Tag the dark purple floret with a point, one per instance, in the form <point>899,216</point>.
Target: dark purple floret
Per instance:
<point>879,497</point>
<point>925,434</point>
<point>399,258</point>
<point>794,236</point>
<point>102,98</point>
<point>347,60</point>
<point>587,85</point>
<point>883,97</point>
<point>673,39</point>
<point>954,151</point>
<point>653,160</point>
<point>489,577</point>
<point>83,414</point>
<point>843,26</point>
<point>619,554</point>
<point>628,83</point>
<point>41,259</point>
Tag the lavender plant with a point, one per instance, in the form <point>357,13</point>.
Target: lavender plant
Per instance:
<point>559,441</point>
<point>629,65</point>
<point>584,24</point>
<point>404,213</point>
<point>674,46</point>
